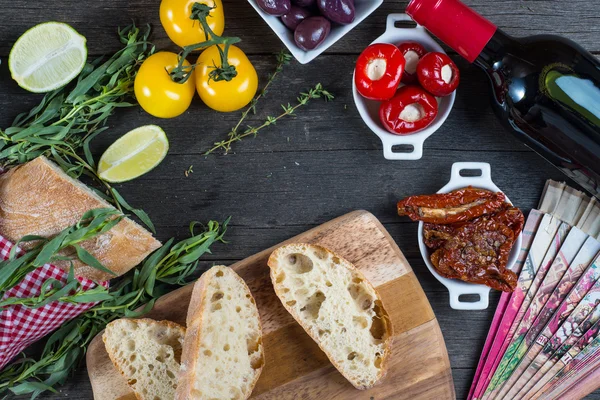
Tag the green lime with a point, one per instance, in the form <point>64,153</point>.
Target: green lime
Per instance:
<point>47,56</point>
<point>133,154</point>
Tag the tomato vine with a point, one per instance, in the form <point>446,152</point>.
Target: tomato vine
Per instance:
<point>224,72</point>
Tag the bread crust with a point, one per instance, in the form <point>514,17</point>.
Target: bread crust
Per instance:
<point>113,357</point>
<point>300,248</point>
<point>192,341</point>
<point>38,198</point>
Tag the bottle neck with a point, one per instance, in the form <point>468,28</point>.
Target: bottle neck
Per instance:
<point>493,50</point>
<point>455,24</point>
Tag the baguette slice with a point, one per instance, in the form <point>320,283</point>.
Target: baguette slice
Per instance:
<point>337,307</point>
<point>223,354</point>
<point>147,353</point>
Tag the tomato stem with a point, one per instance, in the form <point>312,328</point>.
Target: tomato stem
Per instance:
<point>226,72</point>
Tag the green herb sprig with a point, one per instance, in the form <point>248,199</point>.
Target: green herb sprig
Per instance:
<point>283,59</point>
<point>171,265</point>
<point>65,247</point>
<point>62,126</point>
<point>236,135</point>
<point>316,92</point>
<point>45,251</point>
<point>67,119</point>
<point>54,290</point>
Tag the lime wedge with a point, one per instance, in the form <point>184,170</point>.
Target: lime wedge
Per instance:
<point>133,154</point>
<point>47,56</point>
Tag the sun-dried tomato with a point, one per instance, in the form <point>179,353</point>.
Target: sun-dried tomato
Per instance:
<point>513,218</point>
<point>436,235</point>
<point>457,206</point>
<point>471,233</point>
<point>478,250</point>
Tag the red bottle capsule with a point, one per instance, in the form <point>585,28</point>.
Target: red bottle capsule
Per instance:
<point>378,71</point>
<point>438,74</point>
<point>411,109</point>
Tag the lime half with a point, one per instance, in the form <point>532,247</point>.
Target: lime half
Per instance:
<point>47,56</point>
<point>133,154</point>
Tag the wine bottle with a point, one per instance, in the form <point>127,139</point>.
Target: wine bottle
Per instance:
<point>545,88</point>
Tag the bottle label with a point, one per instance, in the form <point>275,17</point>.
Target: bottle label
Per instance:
<point>579,95</point>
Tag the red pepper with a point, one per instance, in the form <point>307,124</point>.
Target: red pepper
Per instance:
<point>411,109</point>
<point>378,71</point>
<point>438,74</point>
<point>413,52</point>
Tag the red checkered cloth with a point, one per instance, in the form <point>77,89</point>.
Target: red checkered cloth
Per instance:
<point>21,326</point>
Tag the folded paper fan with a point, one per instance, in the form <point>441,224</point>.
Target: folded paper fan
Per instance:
<point>543,340</point>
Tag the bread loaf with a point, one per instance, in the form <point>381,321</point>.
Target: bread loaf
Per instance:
<point>147,353</point>
<point>223,351</point>
<point>337,307</point>
<point>38,198</point>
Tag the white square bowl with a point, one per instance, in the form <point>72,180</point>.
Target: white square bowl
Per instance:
<point>363,8</point>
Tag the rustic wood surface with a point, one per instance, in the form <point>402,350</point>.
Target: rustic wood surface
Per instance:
<point>320,165</point>
<point>418,365</point>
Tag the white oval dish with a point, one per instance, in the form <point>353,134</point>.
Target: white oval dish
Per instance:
<point>456,287</point>
<point>362,9</point>
<point>369,109</point>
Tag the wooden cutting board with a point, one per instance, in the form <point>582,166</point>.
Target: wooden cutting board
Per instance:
<point>295,367</point>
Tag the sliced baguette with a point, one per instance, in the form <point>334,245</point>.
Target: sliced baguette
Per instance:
<point>147,353</point>
<point>337,307</point>
<point>222,352</point>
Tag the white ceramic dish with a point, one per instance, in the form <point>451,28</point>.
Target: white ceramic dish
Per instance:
<point>369,109</point>
<point>455,287</point>
<point>363,8</point>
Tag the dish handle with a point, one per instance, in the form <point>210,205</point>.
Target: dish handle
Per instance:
<point>399,17</point>
<point>484,177</point>
<point>482,291</point>
<point>390,141</point>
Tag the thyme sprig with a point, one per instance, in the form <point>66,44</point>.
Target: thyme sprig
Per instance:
<point>62,126</point>
<point>171,265</point>
<point>316,92</point>
<point>283,59</point>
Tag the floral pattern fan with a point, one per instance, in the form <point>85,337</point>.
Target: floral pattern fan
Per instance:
<point>544,340</point>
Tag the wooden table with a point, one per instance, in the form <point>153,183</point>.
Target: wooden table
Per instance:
<point>324,163</point>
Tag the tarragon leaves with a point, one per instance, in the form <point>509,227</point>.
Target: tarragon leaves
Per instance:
<point>47,251</point>
<point>66,120</point>
<point>61,127</point>
<point>132,295</point>
<point>141,214</point>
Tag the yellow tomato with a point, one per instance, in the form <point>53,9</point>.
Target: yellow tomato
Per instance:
<point>183,31</point>
<point>155,90</point>
<point>226,95</point>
